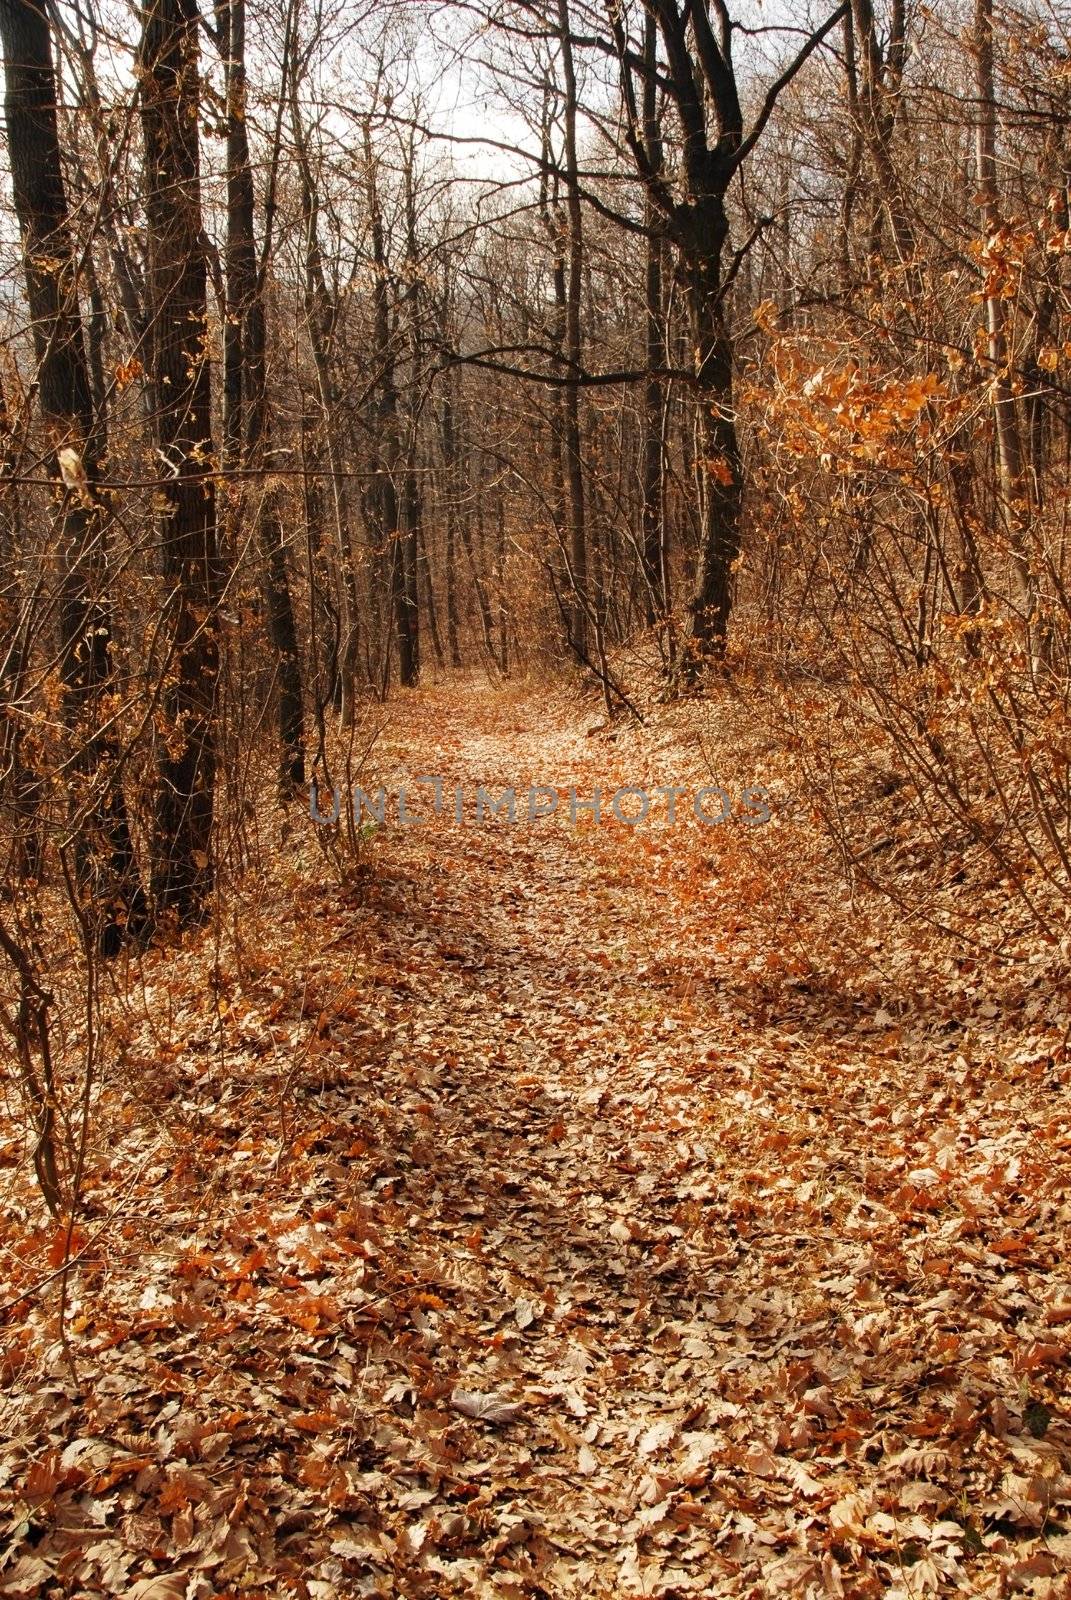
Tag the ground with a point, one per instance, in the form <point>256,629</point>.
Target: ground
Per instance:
<point>554,1210</point>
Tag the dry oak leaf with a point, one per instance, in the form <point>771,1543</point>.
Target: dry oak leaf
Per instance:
<point>26,1578</point>
<point>164,1586</point>
<point>848,1515</point>
<point>484,1407</point>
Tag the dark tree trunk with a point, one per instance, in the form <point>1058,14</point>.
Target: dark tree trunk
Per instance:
<point>412,498</point>
<point>408,592</point>
<point>246,417</point>
<point>475,555</point>
<point>179,360</point>
<point>394,541</point>
<point>555,333</point>
<point>24,787</point>
<point>320,316</point>
<point>699,75</point>
<point>105,852</point>
<point>451,486</point>
<point>96,332</point>
<point>717,465</point>
<point>655,565</point>
<point>500,574</point>
<point>571,350</point>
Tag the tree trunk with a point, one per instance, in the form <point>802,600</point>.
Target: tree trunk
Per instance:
<point>408,591</point>
<point>876,103</point>
<point>179,360</point>
<point>717,468</point>
<point>571,350</point>
<point>105,852</point>
<point>393,540</point>
<point>24,787</point>
<point>412,497</point>
<point>246,418</point>
<point>1009,437</point>
<point>655,566</point>
<point>476,555</point>
<point>320,316</point>
<point>451,487</point>
<point>854,164</point>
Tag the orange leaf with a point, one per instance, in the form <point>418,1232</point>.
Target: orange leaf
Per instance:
<point>58,1250</point>
<point>316,1422</point>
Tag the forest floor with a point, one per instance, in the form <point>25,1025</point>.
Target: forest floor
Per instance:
<point>552,1211</point>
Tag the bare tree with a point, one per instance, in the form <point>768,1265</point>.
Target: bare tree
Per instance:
<point>699,75</point>
<point>177,282</point>
<point>247,433</point>
<point>105,849</point>
<point>1009,435</point>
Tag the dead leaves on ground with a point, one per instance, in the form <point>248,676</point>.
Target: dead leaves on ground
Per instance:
<point>529,1229</point>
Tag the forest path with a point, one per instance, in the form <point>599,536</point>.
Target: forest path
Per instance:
<point>710,1233</point>
<point>759,1292</point>
<point>573,1067</point>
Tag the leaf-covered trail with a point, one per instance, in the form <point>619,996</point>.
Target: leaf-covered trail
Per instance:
<point>765,1296</point>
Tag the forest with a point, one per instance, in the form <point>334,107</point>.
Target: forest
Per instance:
<point>535,799</point>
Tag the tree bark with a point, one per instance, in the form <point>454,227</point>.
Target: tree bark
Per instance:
<point>24,786</point>
<point>571,351</point>
<point>394,541</point>
<point>700,78</point>
<point>412,552</point>
<point>718,471</point>
<point>246,415</point>
<point>320,316</point>
<point>876,104</point>
<point>105,851</point>
<point>179,360</point>
<point>451,487</point>
<point>1009,437</point>
<point>655,564</point>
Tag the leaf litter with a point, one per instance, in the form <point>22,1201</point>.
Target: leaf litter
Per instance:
<point>571,1211</point>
